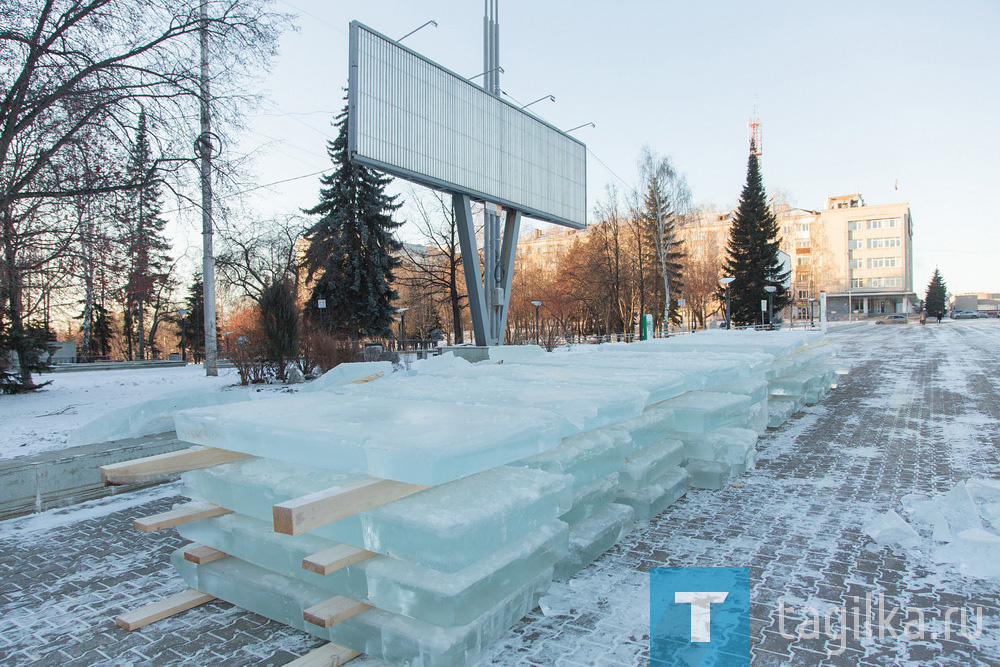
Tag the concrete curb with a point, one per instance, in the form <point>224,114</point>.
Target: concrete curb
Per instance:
<point>31,484</point>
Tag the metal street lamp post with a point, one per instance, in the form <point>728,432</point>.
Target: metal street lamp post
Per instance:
<point>770,289</point>
<point>726,282</point>
<point>182,313</point>
<point>402,327</point>
<point>811,322</point>
<point>537,305</point>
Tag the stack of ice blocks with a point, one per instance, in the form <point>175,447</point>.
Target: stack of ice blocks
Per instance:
<point>535,467</point>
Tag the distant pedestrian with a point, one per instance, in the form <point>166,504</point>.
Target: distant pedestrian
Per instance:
<point>923,317</point>
<point>939,316</point>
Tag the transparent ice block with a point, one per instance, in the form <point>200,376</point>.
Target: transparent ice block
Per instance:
<point>890,529</point>
<point>391,637</point>
<point>420,442</point>
<point>651,463</point>
<point>653,499</point>
<point>593,536</point>
<point>781,408</point>
<point>588,499</point>
<point>444,599</point>
<point>708,474</point>
<point>346,373</point>
<point>444,528</point>
<point>587,456</point>
<point>701,411</point>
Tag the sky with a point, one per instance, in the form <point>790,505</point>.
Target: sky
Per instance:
<point>852,97</point>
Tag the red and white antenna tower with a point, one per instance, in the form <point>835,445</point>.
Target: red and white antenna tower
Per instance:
<point>753,127</point>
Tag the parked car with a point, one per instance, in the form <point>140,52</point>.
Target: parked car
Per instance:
<point>982,315</point>
<point>963,315</point>
<point>893,319</point>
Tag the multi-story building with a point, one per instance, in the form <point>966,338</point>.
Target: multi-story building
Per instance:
<point>982,302</point>
<point>857,253</point>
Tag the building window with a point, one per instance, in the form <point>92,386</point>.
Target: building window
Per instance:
<point>883,262</point>
<point>857,282</point>
<point>803,294</point>
<point>854,245</point>
<point>802,227</point>
<point>855,224</point>
<point>804,261</point>
<point>802,244</point>
<point>856,263</point>
<point>886,242</point>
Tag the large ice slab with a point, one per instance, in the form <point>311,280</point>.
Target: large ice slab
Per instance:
<point>649,464</point>
<point>391,637</point>
<point>781,408</point>
<point>586,456</point>
<point>561,369</point>
<point>708,474</point>
<point>629,367</point>
<point>650,500</point>
<point>445,599</point>
<point>755,387</point>
<point>153,416</point>
<point>588,499</point>
<point>584,406</point>
<point>444,528</point>
<point>700,411</point>
<point>347,373</point>
<point>593,536</point>
<point>420,442</point>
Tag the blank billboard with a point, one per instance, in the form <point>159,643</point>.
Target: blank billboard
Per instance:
<point>412,118</point>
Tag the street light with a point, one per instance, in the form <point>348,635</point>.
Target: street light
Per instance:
<point>726,282</point>
<point>811,323</point>
<point>182,313</point>
<point>225,338</point>
<point>537,305</point>
<point>770,289</point>
<point>402,326</point>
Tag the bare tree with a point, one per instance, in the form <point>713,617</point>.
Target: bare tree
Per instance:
<point>76,74</point>
<point>436,268</point>
<point>260,253</point>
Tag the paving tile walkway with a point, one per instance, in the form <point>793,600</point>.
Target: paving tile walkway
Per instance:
<point>918,413</point>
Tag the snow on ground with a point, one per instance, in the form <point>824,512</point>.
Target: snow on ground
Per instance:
<point>40,421</point>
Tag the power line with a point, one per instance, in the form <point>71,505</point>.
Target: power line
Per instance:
<point>254,188</point>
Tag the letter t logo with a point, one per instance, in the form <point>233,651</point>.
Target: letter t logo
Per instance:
<point>701,611</point>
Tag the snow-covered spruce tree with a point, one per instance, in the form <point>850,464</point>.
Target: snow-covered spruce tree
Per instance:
<point>144,240</point>
<point>352,251</point>
<point>752,253</point>
<point>666,195</point>
<point>937,294</point>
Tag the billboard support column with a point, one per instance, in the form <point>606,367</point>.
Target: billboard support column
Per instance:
<point>508,253</point>
<point>470,262</point>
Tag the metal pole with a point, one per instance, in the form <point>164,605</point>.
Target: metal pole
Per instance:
<point>770,307</point>
<point>812,322</point>
<point>205,148</point>
<point>402,331</point>
<point>536,326</point>
<point>728,320</point>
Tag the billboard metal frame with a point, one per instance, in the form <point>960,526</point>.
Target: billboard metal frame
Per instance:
<point>430,181</point>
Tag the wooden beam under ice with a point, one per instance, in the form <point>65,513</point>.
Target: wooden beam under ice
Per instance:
<point>330,612</point>
<point>328,655</point>
<point>335,558</point>
<point>202,555</point>
<point>170,606</point>
<point>296,516</point>
<point>175,517</point>
<point>150,468</point>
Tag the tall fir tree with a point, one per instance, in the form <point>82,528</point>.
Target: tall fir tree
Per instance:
<point>144,240</point>
<point>352,252</point>
<point>752,253</point>
<point>935,299</point>
<point>192,324</point>
<point>279,319</point>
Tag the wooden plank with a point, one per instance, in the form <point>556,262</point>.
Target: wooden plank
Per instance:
<point>296,516</point>
<point>202,554</point>
<point>150,468</point>
<point>328,655</point>
<point>175,517</point>
<point>368,379</point>
<point>332,559</point>
<point>330,612</point>
<point>174,604</point>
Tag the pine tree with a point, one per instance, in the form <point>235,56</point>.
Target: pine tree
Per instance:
<point>101,332</point>
<point>144,239</point>
<point>280,321</point>
<point>936,297</point>
<point>192,324</point>
<point>752,254</point>
<point>352,252</point>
